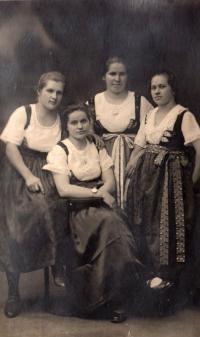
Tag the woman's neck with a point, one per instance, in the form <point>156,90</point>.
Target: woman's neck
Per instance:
<point>80,144</point>
<point>44,116</point>
<point>162,112</point>
<point>163,109</point>
<point>115,98</point>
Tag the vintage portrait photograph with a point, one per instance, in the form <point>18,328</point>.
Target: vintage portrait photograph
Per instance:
<point>100,168</point>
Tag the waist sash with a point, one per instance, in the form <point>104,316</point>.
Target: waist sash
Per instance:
<point>177,160</point>
<point>118,157</point>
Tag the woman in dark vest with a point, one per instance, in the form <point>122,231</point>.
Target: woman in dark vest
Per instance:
<point>160,193</point>
<point>117,113</point>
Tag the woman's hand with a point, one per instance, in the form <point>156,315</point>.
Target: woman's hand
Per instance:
<point>34,184</point>
<point>97,140</point>
<point>195,177</point>
<point>135,155</point>
<point>130,167</point>
<point>107,198</point>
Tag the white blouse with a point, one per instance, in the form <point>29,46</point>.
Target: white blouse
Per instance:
<point>154,134</point>
<point>86,164</point>
<point>116,117</point>
<point>38,137</point>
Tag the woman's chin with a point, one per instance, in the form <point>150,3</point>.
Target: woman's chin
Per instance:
<point>81,136</point>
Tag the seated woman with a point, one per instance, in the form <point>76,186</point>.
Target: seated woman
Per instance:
<point>105,262</point>
<point>160,194</point>
<point>29,237</point>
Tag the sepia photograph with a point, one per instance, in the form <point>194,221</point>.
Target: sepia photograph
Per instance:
<point>100,168</point>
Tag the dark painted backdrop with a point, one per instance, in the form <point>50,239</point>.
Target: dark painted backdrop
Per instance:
<point>76,36</point>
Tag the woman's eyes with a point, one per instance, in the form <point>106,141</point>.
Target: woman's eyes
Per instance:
<point>50,91</point>
<point>114,74</point>
<point>159,86</point>
<point>83,121</point>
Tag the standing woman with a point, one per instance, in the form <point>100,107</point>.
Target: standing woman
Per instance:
<point>160,191</point>
<point>117,113</point>
<point>28,234</point>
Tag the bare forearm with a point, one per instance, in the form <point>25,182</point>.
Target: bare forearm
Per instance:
<point>108,187</point>
<point>67,190</point>
<point>109,184</point>
<point>16,160</point>
<point>196,172</point>
<point>136,152</point>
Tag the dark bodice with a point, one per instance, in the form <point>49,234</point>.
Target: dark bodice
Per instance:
<point>174,139</point>
<point>133,125</point>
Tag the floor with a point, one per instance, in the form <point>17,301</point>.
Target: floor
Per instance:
<point>35,322</point>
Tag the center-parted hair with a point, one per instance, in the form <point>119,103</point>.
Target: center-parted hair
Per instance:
<point>111,60</point>
<point>72,108</point>
<point>50,76</point>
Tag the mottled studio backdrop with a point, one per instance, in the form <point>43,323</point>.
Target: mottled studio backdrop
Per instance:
<point>76,36</point>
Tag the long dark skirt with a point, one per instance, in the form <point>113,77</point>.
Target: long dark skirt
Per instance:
<point>145,195</point>
<point>105,263</point>
<point>31,224</point>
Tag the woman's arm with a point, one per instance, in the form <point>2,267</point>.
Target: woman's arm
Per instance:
<point>108,187</point>
<point>15,158</point>
<point>108,180</point>
<point>65,189</point>
<point>196,172</point>
<point>135,155</point>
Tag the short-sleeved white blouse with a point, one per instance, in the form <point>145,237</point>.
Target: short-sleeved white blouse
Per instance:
<point>86,164</point>
<point>38,137</point>
<point>116,117</point>
<point>154,134</point>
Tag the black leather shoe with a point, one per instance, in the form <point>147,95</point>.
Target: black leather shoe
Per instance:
<point>12,307</point>
<point>118,316</point>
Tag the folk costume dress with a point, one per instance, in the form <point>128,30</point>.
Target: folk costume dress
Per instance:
<point>160,191</point>
<point>118,125</point>
<point>104,262</point>
<point>28,232</point>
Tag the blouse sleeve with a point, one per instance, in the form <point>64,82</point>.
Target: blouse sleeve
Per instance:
<point>57,161</point>
<point>190,128</point>
<point>105,160</point>
<point>146,106</point>
<point>14,129</point>
<point>140,138</point>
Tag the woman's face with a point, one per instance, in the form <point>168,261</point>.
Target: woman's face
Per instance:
<point>51,95</point>
<point>78,125</point>
<point>161,91</point>
<point>116,78</point>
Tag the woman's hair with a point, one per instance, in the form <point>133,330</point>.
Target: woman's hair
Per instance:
<point>171,78</point>
<point>50,76</point>
<point>74,107</point>
<point>111,60</point>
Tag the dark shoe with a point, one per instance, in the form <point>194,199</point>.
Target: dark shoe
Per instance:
<point>12,307</point>
<point>59,281</point>
<point>118,316</point>
<point>58,273</point>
